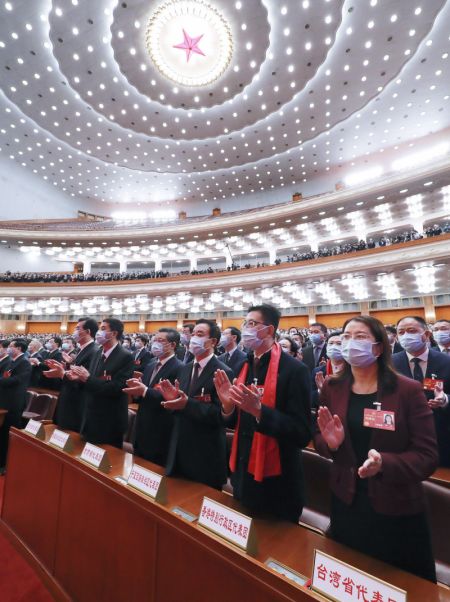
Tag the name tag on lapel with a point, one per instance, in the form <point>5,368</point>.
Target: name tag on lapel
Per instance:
<point>379,419</point>
<point>206,398</point>
<point>105,376</point>
<point>430,383</point>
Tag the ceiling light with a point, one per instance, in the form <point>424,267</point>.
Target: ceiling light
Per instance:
<point>364,176</point>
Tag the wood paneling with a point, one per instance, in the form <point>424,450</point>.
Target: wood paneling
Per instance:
<point>392,316</point>
<point>130,327</point>
<point>236,322</point>
<point>443,312</point>
<point>154,325</point>
<point>11,326</point>
<point>294,322</point>
<point>43,327</point>
<point>335,320</point>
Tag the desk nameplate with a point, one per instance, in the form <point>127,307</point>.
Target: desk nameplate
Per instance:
<point>148,482</point>
<point>35,428</point>
<point>228,524</point>
<point>96,457</point>
<point>61,440</point>
<point>191,518</point>
<point>341,582</point>
<point>286,571</point>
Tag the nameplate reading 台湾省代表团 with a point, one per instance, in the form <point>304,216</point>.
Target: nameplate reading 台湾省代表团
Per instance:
<point>61,440</point>
<point>35,428</point>
<point>341,582</point>
<point>228,524</point>
<point>146,481</point>
<point>95,456</point>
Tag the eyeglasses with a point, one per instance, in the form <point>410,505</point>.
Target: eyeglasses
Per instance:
<point>252,323</point>
<point>358,337</point>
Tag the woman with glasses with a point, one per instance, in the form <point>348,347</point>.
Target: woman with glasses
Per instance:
<point>378,504</point>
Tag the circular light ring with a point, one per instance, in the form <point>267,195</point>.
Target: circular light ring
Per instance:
<point>167,19</point>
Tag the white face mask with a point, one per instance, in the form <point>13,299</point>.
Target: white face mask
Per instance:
<point>250,338</point>
<point>197,345</point>
<point>442,337</point>
<point>358,353</point>
<point>411,341</point>
<point>225,340</point>
<point>102,337</point>
<point>184,339</point>
<point>157,349</point>
<point>334,352</point>
<point>49,346</point>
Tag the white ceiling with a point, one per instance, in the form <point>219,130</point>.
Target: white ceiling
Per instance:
<point>313,88</point>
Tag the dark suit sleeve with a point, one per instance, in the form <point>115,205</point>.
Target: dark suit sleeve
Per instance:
<point>21,374</point>
<point>113,387</point>
<point>294,421</point>
<point>420,460</point>
<point>207,413</point>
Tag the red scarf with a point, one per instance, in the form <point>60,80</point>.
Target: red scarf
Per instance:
<point>264,458</point>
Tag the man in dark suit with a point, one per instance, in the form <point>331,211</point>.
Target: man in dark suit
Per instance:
<point>69,411</point>
<point>154,424</point>
<point>141,354</point>
<point>419,362</point>
<point>441,334</point>
<point>197,448</point>
<point>105,416</point>
<point>13,388</point>
<point>183,352</point>
<point>5,360</point>
<point>233,357</point>
<point>315,352</point>
<point>53,352</point>
<point>272,417</point>
<point>391,332</point>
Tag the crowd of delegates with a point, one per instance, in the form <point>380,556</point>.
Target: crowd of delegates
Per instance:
<point>374,399</point>
<point>351,247</point>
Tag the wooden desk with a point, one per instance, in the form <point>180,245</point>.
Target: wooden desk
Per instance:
<point>441,476</point>
<point>103,541</point>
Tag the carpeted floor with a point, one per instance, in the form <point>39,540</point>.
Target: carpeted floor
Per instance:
<point>18,581</point>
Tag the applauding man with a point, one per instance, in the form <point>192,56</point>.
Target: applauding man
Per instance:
<point>154,424</point>
<point>106,406</point>
<point>197,447</point>
<point>269,406</point>
<point>70,408</point>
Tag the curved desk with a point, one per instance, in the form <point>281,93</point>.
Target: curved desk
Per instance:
<point>103,541</point>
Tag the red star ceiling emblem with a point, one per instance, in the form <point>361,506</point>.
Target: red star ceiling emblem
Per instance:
<point>190,45</point>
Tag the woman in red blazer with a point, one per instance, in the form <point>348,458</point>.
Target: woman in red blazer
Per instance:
<point>378,504</point>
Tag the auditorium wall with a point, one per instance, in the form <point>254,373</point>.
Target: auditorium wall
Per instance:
<point>27,196</point>
<point>15,261</point>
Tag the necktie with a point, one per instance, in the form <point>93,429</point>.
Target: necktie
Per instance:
<point>194,378</point>
<point>186,356</point>
<point>316,355</point>
<point>227,358</point>
<point>417,370</point>
<point>256,361</point>
<point>155,371</point>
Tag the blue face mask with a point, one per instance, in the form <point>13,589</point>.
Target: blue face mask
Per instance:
<point>358,353</point>
<point>411,342</point>
<point>442,337</point>
<point>334,352</point>
<point>197,345</point>
<point>316,338</point>
<point>157,349</point>
<point>250,338</point>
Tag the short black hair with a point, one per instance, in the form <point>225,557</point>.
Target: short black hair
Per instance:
<point>115,325</point>
<point>271,315</point>
<point>143,338</point>
<point>236,332</point>
<point>443,320</point>
<point>69,338</point>
<point>214,330</point>
<point>190,326</point>
<point>89,324</point>
<point>57,340</point>
<point>4,343</point>
<point>335,333</point>
<point>391,329</point>
<point>418,319</point>
<point>322,326</point>
<point>294,345</point>
<point>21,344</point>
<point>173,336</point>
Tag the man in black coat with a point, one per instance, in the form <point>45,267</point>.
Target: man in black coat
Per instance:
<point>197,448</point>
<point>36,353</point>
<point>5,360</point>
<point>141,354</point>
<point>53,347</point>
<point>154,424</point>
<point>183,352</point>
<point>315,353</point>
<point>419,362</point>
<point>277,411</point>
<point>105,416</point>
<point>13,388</point>
<point>69,411</point>
<point>233,357</point>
